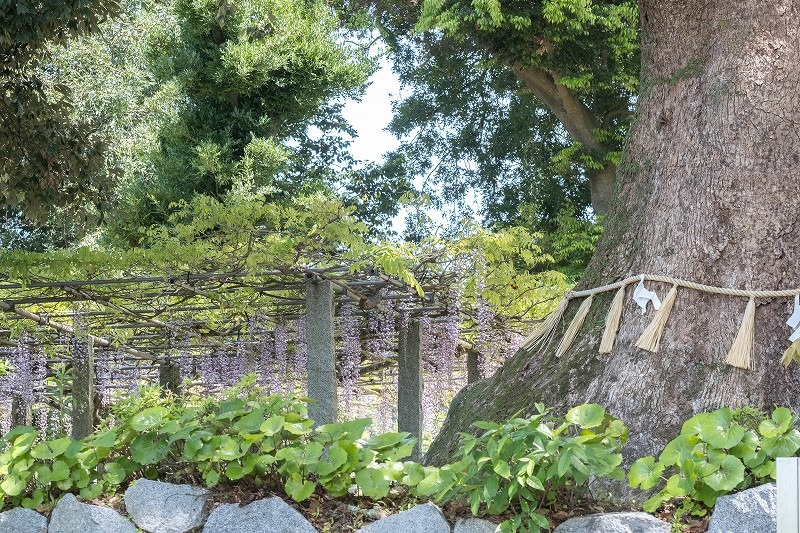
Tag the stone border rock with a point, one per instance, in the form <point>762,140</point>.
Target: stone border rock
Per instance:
<point>158,507</point>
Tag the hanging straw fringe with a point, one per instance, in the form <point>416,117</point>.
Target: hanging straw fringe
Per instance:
<point>547,326</point>
<point>612,322</point>
<point>741,352</point>
<point>574,326</point>
<point>651,337</point>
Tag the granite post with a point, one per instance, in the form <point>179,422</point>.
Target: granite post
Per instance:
<point>409,384</point>
<point>321,351</point>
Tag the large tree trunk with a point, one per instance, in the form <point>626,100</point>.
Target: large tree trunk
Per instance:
<point>709,187</point>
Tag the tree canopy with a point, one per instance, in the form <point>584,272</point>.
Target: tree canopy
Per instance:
<point>527,103</point>
<point>48,156</point>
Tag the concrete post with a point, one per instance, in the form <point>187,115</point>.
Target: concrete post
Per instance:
<point>21,411</point>
<point>409,384</point>
<point>83,391</point>
<point>473,368</point>
<point>321,351</point>
<point>169,377</point>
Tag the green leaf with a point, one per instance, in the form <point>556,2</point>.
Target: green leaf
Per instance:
<point>719,429</point>
<point>191,446</point>
<point>678,486</point>
<point>730,474</point>
<point>746,449</point>
<point>272,425</point>
<point>230,409</point>
<point>250,423</point>
<point>13,485</point>
<point>115,473</point>
<point>299,428</point>
<point>149,418</point>
<point>227,448</point>
<point>22,443</point>
<point>373,483</point>
<point>353,429</point>
<point>586,416</point>
<point>780,421</point>
<point>60,471</point>
<point>431,484</point>
<point>784,445</point>
<point>413,473</point>
<point>35,500</point>
<point>482,424</point>
<point>50,449</point>
<point>651,505</point>
<point>149,449</point>
<point>234,471</point>
<point>503,469</point>
<point>299,490</point>
<point>385,440</point>
<point>645,472</point>
<point>337,456</point>
<point>540,520</point>
<point>211,478</point>
<point>91,492</point>
<point>490,487</point>
<point>679,450</point>
<point>105,440</point>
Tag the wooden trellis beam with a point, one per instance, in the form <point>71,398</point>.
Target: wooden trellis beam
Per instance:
<point>98,341</point>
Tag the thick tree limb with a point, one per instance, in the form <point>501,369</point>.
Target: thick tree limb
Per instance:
<point>577,119</point>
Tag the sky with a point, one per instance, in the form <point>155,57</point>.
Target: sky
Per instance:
<point>370,117</point>
<point>372,114</point>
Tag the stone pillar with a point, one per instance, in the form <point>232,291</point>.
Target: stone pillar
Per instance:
<point>473,368</point>
<point>169,377</point>
<point>409,384</point>
<point>21,410</point>
<point>83,392</point>
<point>321,351</point>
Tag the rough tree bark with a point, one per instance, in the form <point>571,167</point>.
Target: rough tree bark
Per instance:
<point>708,189</point>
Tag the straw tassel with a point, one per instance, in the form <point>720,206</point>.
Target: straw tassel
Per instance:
<point>545,329</point>
<point>741,352</point>
<point>574,326</point>
<point>651,336</point>
<point>612,322</point>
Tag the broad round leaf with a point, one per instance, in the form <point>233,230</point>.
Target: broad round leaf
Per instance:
<point>784,445</point>
<point>645,472</point>
<point>586,416</point>
<point>730,474</point>
<point>148,449</point>
<point>149,418</point>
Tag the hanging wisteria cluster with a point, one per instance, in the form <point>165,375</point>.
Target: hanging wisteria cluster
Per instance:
<point>275,349</point>
<point>351,356</point>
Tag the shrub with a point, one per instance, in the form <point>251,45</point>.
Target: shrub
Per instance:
<point>523,462</point>
<point>265,438</point>
<point>717,453</point>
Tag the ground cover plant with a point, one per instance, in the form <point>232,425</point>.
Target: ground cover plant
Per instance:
<point>716,453</point>
<point>522,471</point>
<point>522,464</point>
<point>267,438</point>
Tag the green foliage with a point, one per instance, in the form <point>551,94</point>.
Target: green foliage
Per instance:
<point>716,453</point>
<point>568,36</point>
<point>240,84</point>
<point>522,463</point>
<point>244,434</point>
<point>472,121</point>
<point>571,243</point>
<point>48,157</point>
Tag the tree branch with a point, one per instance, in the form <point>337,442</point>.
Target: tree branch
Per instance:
<point>577,119</point>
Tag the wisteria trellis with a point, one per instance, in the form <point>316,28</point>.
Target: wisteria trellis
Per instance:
<point>275,349</point>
